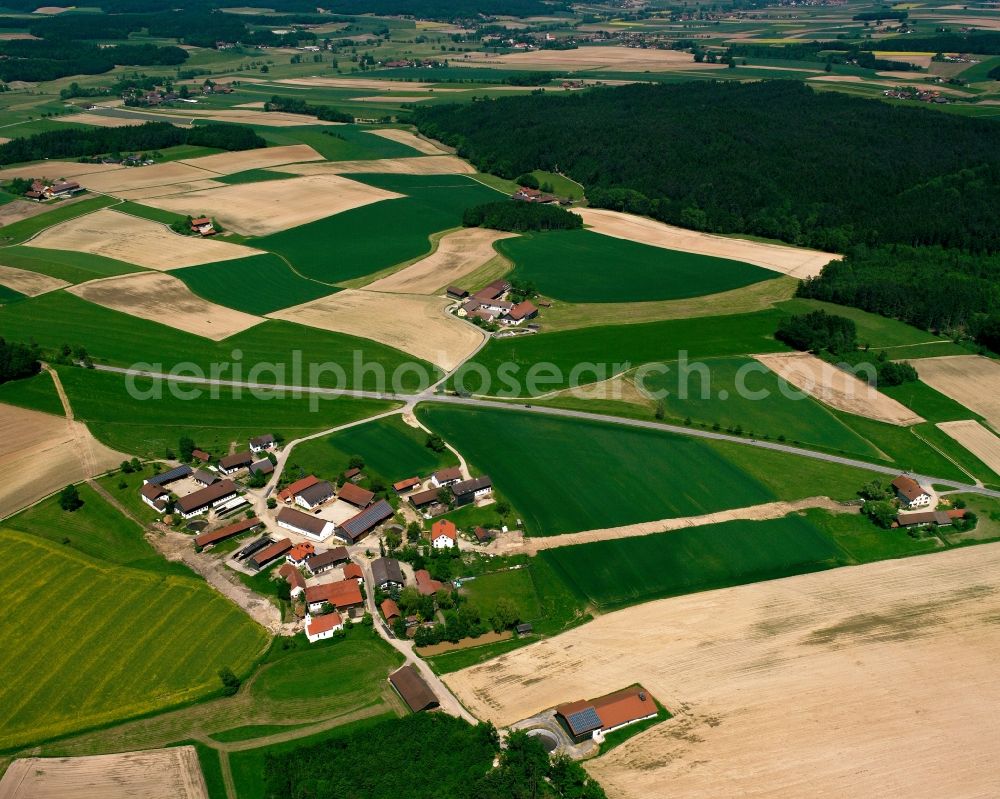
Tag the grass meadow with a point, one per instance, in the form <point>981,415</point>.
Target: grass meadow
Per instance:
<point>390,448</point>
<point>343,143</point>
<point>117,640</point>
<point>626,571</point>
<point>365,240</point>
<point>258,285</point>
<point>149,427</point>
<point>616,348</point>
<point>123,340</point>
<point>73,267</point>
<point>581,266</point>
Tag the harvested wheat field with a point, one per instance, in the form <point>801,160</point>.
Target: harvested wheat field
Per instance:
<point>457,254</point>
<point>153,774</point>
<point>101,120</point>
<point>158,297</point>
<point>408,138</point>
<point>165,191</point>
<point>42,453</point>
<point>261,158</point>
<point>418,165</point>
<point>393,98</point>
<point>52,9</point>
<point>25,209</point>
<point>140,177</point>
<point>269,119</point>
<point>257,209</point>
<point>971,380</point>
<point>830,684</point>
<point>614,59</point>
<point>416,325</point>
<point>136,241</point>
<point>794,261</point>
<point>54,170</point>
<point>351,83</point>
<point>977,439</point>
<point>31,284</point>
<point>837,388</point>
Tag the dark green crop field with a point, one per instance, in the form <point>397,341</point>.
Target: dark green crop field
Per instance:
<point>616,348</point>
<point>566,475</point>
<point>111,337</point>
<point>258,285</point>
<point>147,427</point>
<point>581,266</point>
<point>390,448</point>
<point>364,240</point>
<point>73,267</point>
<point>630,570</point>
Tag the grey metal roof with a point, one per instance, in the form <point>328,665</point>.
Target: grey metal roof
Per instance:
<point>471,486</point>
<point>168,477</point>
<point>386,570</point>
<point>357,526</point>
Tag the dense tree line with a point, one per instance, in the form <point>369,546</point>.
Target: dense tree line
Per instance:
<point>444,757</point>
<point>17,360</point>
<point>820,169</point>
<point>74,143</point>
<point>40,60</point>
<point>520,216</point>
<point>447,9</point>
<point>819,52</point>
<point>817,331</point>
<point>885,13</point>
<point>931,288</point>
<point>294,105</point>
<point>982,42</point>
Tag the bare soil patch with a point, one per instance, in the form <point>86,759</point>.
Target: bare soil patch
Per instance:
<point>28,283</point>
<point>140,177</point>
<point>977,439</point>
<point>617,59</point>
<point>393,98</point>
<point>794,261</point>
<point>159,297</point>
<point>350,83</point>
<point>827,684</point>
<point>100,120</point>
<point>972,380</point>
<point>837,388</point>
<point>152,774</point>
<point>271,119</point>
<point>51,9</point>
<point>25,209</point>
<point>54,170</point>
<point>418,165</point>
<point>408,138</point>
<point>42,453</point>
<point>457,254</point>
<point>240,161</point>
<point>136,241</point>
<point>417,325</point>
<point>466,643</point>
<point>165,191</point>
<point>257,209</point>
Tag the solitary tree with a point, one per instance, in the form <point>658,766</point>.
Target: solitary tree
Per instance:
<point>69,499</point>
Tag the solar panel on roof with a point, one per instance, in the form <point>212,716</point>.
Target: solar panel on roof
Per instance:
<point>584,720</point>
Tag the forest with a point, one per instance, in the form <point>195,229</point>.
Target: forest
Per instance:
<point>819,169</point>
<point>433,755</point>
<point>17,360</point>
<point>820,52</point>
<point>447,9</point>
<point>520,217</point>
<point>295,105</point>
<point>817,331</point>
<point>40,60</point>
<point>932,288</point>
<point>982,42</point>
<point>74,143</point>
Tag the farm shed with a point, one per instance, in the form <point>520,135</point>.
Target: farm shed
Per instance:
<point>413,689</point>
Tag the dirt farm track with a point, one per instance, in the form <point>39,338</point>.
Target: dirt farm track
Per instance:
<point>876,680</point>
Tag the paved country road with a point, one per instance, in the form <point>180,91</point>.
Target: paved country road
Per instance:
<point>410,400</point>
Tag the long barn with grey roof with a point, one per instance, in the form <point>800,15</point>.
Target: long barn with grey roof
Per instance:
<point>363,523</point>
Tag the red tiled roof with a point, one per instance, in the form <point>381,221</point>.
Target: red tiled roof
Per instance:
<point>908,487</point>
<point>223,533</point>
<point>425,585</point>
<point>424,497</point>
<point>341,594</point>
<point>623,706</point>
<point>322,624</point>
<point>301,551</point>
<point>389,609</point>
<point>268,554</point>
<point>522,310</point>
<point>355,495</point>
<point>352,571</point>
<point>292,575</point>
<point>153,492</point>
<point>288,493</point>
<point>444,527</point>
<point>406,485</point>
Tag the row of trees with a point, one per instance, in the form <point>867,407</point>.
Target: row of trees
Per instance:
<point>18,360</point>
<point>76,142</point>
<point>520,216</point>
<point>294,105</point>
<point>818,331</point>
<point>821,169</point>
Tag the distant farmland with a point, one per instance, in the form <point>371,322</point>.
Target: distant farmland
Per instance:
<point>581,266</point>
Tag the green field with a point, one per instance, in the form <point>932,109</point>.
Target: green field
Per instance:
<point>364,240</point>
<point>148,212</point>
<point>8,295</point>
<point>253,176</point>
<point>614,349</point>
<point>343,143</point>
<point>581,266</point>
<point>119,641</point>
<point>560,185</point>
<point>568,475</point>
<point>715,397</point>
<point>390,448</point>
<point>147,427</point>
<point>24,229</point>
<point>111,337</point>
<point>515,584</point>
<point>37,393</point>
<point>630,570</point>
<point>73,267</point>
<point>258,285</point>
